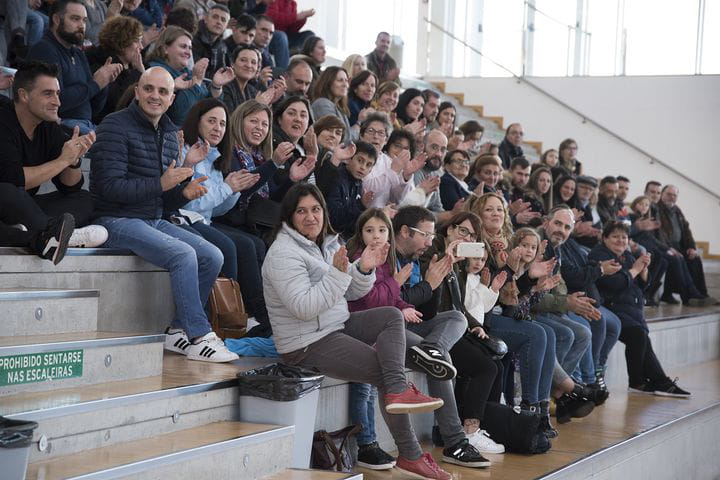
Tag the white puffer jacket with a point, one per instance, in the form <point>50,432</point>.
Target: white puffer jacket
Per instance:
<point>306,297</point>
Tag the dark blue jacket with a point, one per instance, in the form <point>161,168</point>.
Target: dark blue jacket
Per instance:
<point>578,271</point>
<point>80,95</point>
<point>621,292</point>
<point>343,201</point>
<point>128,158</point>
<point>451,191</point>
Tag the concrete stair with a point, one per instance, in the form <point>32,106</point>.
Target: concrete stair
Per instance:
<point>81,354</point>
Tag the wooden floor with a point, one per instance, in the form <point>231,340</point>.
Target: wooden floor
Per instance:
<point>623,416</point>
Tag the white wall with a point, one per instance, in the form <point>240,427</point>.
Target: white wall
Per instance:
<point>676,119</point>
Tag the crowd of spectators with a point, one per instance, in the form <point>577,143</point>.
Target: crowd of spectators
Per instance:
<point>220,144</point>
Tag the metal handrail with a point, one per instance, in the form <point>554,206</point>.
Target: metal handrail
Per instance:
<point>652,159</point>
<point>559,22</point>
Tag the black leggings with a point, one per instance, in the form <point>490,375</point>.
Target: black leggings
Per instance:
<point>478,379</point>
<point>642,364</point>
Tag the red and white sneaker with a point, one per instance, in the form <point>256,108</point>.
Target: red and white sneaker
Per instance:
<point>423,467</point>
<point>411,401</point>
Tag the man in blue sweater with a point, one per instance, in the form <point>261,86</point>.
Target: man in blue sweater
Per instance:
<point>81,92</point>
<point>134,180</point>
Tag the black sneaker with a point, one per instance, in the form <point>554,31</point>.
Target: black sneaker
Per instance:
<point>429,359</point>
<point>644,388</point>
<point>465,455</point>
<point>567,407</point>
<point>373,457</point>
<point>51,244</point>
<point>669,388</point>
<point>598,393</point>
<point>669,299</point>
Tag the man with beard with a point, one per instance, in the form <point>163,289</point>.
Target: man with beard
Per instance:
<point>81,92</point>
<point>622,194</point>
<point>431,108</point>
<point>583,298</point>
<point>581,306</point>
<point>607,199</point>
<point>510,147</point>
<point>430,335</point>
<point>427,179</point>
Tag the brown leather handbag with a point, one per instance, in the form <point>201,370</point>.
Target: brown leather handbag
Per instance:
<point>330,450</point>
<point>227,311</point>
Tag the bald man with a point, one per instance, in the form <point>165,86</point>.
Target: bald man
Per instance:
<point>675,231</point>
<point>134,181</point>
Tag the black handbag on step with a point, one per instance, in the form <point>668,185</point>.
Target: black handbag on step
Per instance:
<point>518,430</point>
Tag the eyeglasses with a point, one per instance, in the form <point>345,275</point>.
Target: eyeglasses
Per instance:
<point>425,235</point>
<point>375,133</point>
<point>461,161</point>
<point>465,233</point>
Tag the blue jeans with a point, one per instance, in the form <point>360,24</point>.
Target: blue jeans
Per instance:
<point>362,411</point>
<point>37,23</point>
<point>605,333</point>
<point>193,263</point>
<point>279,49</point>
<point>576,343</point>
<point>535,343</point>
<point>86,126</point>
<point>223,242</point>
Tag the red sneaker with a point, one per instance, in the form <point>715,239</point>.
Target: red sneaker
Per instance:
<point>423,467</point>
<point>411,401</point>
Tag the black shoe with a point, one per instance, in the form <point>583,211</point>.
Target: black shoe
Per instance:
<point>568,407</point>
<point>51,244</point>
<point>546,427</point>
<point>669,299</point>
<point>597,393</point>
<point>465,454</point>
<point>669,388</point>
<point>373,457</point>
<point>650,302</point>
<point>644,388</point>
<point>542,410</point>
<point>701,302</point>
<point>436,437</point>
<point>429,359</point>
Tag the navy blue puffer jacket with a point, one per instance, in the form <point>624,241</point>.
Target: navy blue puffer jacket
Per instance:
<point>127,160</point>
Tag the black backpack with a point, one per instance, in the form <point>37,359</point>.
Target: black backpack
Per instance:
<point>518,430</point>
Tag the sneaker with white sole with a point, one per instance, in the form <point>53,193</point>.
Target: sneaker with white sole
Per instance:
<point>176,341</point>
<point>88,237</point>
<point>209,348</point>
<point>51,244</point>
<point>483,443</point>
<point>430,359</point>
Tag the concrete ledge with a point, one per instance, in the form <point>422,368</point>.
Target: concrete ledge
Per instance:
<point>677,342</point>
<point>683,448</point>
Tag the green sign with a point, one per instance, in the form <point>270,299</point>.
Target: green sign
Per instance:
<point>40,367</point>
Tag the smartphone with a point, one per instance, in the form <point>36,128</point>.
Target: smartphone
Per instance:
<point>470,250</point>
<point>8,71</point>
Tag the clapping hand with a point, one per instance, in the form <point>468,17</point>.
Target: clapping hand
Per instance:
<point>498,281</point>
<point>77,146</point>
<point>374,256</point>
<point>173,176</point>
<point>402,275</point>
<point>302,169</point>
<point>241,180</point>
<point>340,260</point>
<point>194,189</point>
<point>343,153</point>
<point>196,153</point>
<point>411,315</point>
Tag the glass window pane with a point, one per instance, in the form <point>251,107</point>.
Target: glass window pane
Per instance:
<point>602,24</point>
<point>711,38</point>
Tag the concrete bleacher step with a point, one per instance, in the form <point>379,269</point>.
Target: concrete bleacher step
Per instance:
<point>213,451</point>
<point>187,394</point>
<point>45,362</point>
<point>300,474</point>
<point>135,295</point>
<point>34,311</point>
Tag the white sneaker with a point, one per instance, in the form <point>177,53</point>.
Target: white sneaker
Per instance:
<point>483,443</point>
<point>176,341</point>
<point>89,237</point>
<point>209,348</point>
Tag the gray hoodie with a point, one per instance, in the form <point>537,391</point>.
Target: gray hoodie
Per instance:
<point>306,296</point>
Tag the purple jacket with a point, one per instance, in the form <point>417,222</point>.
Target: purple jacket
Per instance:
<point>385,292</point>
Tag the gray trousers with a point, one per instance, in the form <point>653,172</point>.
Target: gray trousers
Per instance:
<point>443,331</point>
<point>370,349</point>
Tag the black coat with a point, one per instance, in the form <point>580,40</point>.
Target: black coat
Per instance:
<point>620,292</point>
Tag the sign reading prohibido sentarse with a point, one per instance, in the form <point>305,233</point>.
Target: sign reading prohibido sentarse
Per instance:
<point>40,367</point>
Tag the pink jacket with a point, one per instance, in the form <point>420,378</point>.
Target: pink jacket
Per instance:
<point>385,292</point>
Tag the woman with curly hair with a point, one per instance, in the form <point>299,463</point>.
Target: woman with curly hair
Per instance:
<point>121,40</point>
